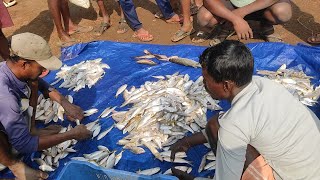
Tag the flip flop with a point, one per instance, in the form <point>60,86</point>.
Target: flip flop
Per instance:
<point>222,34</point>
<point>272,38</point>
<point>200,37</point>
<point>143,37</point>
<point>158,15</point>
<point>123,26</point>
<point>10,3</point>
<point>82,29</point>
<point>180,34</point>
<point>315,39</point>
<point>62,43</point>
<point>103,27</point>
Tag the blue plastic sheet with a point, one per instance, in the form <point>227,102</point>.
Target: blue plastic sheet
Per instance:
<point>124,70</point>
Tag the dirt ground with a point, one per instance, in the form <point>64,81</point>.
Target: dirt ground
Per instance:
<point>34,16</point>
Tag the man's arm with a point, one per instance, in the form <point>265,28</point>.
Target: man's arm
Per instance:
<point>80,132</point>
<point>72,111</point>
<point>241,27</point>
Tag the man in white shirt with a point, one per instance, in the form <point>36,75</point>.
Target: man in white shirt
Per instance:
<point>266,131</point>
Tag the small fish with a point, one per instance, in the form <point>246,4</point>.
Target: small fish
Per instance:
<point>184,61</point>
<point>101,135</point>
<point>89,112</point>
<point>145,57</point>
<point>121,89</point>
<point>147,61</point>
<point>149,172</point>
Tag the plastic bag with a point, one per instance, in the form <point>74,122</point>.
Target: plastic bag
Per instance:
<point>81,3</point>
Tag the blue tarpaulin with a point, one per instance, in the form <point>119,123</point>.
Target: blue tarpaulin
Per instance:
<point>124,70</point>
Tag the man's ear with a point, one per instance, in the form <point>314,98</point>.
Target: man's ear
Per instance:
<point>228,86</point>
<point>23,63</point>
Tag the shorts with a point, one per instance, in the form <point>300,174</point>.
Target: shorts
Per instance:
<point>5,19</point>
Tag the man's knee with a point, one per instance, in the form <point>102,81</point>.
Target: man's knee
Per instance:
<point>204,17</point>
<point>282,12</point>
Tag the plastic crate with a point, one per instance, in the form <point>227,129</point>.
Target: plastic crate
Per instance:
<point>78,170</point>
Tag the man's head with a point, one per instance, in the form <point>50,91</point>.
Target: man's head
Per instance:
<point>32,55</point>
<point>226,68</point>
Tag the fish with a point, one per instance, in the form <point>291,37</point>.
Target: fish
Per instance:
<point>146,61</point>
<point>101,135</point>
<point>149,172</point>
<point>121,89</point>
<point>89,112</point>
<point>184,61</point>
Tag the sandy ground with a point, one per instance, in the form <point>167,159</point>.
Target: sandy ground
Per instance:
<point>34,16</point>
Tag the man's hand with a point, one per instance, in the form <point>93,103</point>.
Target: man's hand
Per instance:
<point>81,132</point>
<point>242,29</point>
<point>72,111</point>
<point>180,146</point>
<point>24,172</point>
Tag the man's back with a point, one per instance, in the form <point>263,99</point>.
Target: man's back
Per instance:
<point>283,130</point>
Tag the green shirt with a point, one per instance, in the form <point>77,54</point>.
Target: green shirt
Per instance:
<point>241,3</point>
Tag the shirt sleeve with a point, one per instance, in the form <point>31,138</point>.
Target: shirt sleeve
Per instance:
<point>16,126</point>
<point>44,86</point>
<point>231,153</point>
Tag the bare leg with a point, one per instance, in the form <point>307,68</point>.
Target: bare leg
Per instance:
<point>103,11</point>
<point>279,13</point>
<point>55,9</point>
<point>18,168</point>
<point>187,24</point>
<point>123,27</point>
<point>4,46</point>
<point>65,13</point>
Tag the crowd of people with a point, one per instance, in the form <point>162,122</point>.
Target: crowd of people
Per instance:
<point>265,134</point>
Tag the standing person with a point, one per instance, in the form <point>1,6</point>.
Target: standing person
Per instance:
<point>5,21</point>
<point>229,16</point>
<point>132,17</point>
<point>105,24</point>
<point>58,9</point>
<point>19,79</point>
<point>267,133</point>
<point>187,27</point>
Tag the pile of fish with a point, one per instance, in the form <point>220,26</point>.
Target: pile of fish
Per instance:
<point>103,157</point>
<point>296,82</point>
<point>48,110</point>
<point>210,165</point>
<point>146,59</point>
<point>50,157</point>
<point>78,76</point>
<point>162,112</point>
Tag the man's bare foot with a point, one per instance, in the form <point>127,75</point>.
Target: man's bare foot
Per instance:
<point>174,19</point>
<point>79,29</point>
<point>49,130</point>
<point>143,35</point>
<point>186,27</point>
<point>24,172</point>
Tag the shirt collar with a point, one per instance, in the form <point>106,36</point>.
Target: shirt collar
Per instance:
<point>17,84</point>
<point>243,92</point>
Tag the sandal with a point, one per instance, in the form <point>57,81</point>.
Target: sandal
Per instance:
<point>103,27</point>
<point>194,9</point>
<point>315,39</point>
<point>200,37</point>
<point>62,43</point>
<point>10,3</point>
<point>268,34</point>
<point>158,15</point>
<point>272,38</point>
<point>123,26</point>
<point>143,37</point>
<point>179,35</point>
<point>222,34</point>
<point>81,29</point>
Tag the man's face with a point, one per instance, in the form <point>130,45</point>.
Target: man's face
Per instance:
<point>216,90</point>
<point>34,70</point>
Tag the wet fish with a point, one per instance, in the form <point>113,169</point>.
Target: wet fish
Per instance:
<point>184,61</point>
<point>147,61</point>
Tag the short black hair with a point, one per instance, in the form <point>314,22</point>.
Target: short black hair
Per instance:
<point>229,60</point>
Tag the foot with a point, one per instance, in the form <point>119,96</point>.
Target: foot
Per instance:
<point>158,15</point>
<point>143,35</point>
<point>66,40</point>
<point>315,39</point>
<point>174,19</point>
<point>24,172</point>
<point>102,28</point>
<point>123,26</point>
<point>200,37</point>
<point>79,29</point>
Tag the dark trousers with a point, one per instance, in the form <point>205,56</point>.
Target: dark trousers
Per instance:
<point>130,13</point>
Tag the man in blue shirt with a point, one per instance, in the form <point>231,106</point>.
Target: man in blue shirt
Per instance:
<point>19,84</point>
